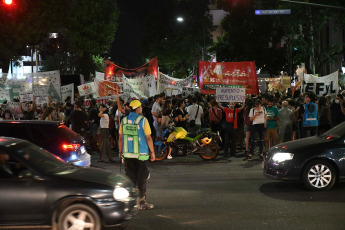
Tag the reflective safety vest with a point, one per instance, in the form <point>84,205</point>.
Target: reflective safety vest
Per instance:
<point>131,139</point>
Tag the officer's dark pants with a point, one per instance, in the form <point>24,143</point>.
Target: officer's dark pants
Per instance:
<point>138,172</point>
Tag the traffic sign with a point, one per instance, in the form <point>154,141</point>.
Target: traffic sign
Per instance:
<point>272,12</point>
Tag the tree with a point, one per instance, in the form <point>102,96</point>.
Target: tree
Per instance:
<point>86,29</point>
<point>178,45</point>
<point>278,42</point>
<point>248,37</point>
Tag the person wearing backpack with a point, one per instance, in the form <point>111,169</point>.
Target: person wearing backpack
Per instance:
<point>136,147</point>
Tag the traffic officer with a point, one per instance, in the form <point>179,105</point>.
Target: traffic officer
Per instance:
<point>136,146</point>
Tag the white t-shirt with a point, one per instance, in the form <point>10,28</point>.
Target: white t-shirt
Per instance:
<point>260,119</point>
<point>192,110</point>
<point>104,122</point>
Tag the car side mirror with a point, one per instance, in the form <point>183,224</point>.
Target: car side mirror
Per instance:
<point>25,174</point>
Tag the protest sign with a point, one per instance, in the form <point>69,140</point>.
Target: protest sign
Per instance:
<point>41,99</point>
<point>67,91</point>
<point>86,89</point>
<point>25,97</point>
<point>230,94</point>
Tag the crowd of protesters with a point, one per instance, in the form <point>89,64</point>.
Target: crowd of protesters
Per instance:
<point>262,120</point>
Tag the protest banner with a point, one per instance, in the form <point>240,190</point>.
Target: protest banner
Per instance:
<point>142,87</point>
<point>190,91</point>
<point>99,100</point>
<point>214,75</point>
<point>42,99</point>
<point>106,88</point>
<point>47,83</point>
<point>26,97</point>
<point>165,82</point>
<point>230,94</point>
<point>67,91</point>
<point>326,85</point>
<point>115,73</point>
<point>12,85</point>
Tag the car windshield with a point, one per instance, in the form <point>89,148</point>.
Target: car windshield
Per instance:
<point>335,133</point>
<point>39,159</point>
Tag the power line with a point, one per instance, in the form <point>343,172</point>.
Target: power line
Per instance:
<point>314,4</point>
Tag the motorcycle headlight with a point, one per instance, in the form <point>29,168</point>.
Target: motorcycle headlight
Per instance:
<point>121,194</point>
<point>281,157</point>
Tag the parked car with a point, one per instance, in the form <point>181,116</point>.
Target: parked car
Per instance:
<point>52,136</point>
<point>38,188</point>
<point>317,161</point>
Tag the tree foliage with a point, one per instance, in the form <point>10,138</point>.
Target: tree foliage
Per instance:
<point>86,29</point>
<point>178,45</point>
<point>278,42</point>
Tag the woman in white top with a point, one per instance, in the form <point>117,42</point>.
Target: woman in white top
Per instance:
<point>104,127</point>
<point>258,116</point>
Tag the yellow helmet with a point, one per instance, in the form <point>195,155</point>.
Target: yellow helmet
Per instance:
<point>206,140</point>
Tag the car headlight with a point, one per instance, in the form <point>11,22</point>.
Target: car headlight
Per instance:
<point>280,157</point>
<point>121,194</point>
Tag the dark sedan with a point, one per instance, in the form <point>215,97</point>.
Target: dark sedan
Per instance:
<point>38,188</point>
<point>317,161</point>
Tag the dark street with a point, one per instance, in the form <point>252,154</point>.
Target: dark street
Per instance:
<point>195,194</point>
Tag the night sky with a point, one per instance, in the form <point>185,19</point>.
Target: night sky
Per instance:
<point>126,48</point>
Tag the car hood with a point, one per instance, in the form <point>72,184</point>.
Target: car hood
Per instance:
<point>299,144</point>
<point>99,176</point>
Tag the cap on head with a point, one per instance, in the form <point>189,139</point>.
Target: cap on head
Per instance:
<point>135,104</point>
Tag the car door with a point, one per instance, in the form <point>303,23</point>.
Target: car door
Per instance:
<point>22,199</point>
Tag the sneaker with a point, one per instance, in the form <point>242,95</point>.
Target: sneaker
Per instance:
<point>169,157</point>
<point>143,205</point>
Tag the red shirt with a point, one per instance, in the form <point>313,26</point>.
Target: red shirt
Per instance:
<point>229,113</point>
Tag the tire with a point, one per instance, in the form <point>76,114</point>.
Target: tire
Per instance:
<point>162,154</point>
<point>209,152</point>
<point>79,216</point>
<point>319,175</point>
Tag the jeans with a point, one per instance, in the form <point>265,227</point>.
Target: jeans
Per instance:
<point>257,130</point>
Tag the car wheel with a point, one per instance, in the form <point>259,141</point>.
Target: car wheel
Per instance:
<point>319,175</point>
<point>79,216</point>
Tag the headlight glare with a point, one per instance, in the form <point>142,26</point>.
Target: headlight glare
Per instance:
<point>121,194</point>
<point>280,157</point>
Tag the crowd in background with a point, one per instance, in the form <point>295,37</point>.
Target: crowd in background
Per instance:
<point>263,120</point>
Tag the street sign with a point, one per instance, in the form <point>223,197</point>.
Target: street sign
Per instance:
<point>272,12</point>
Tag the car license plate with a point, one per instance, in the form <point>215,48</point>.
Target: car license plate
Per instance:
<point>82,150</point>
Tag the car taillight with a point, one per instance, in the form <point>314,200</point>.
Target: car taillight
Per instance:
<point>70,147</point>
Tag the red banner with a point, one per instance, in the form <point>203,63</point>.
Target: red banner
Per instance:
<point>214,75</point>
<point>114,73</point>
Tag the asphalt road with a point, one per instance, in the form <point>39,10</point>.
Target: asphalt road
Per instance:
<point>195,194</point>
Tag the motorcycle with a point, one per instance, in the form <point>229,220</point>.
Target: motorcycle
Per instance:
<point>184,143</point>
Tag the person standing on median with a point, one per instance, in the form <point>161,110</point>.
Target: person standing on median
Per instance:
<point>136,146</point>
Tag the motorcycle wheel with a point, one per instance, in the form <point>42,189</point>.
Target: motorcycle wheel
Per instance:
<point>160,155</point>
<point>209,152</point>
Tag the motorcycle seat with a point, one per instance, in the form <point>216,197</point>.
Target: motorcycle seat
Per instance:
<point>195,133</point>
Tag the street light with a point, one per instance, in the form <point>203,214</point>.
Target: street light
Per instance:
<point>180,19</point>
